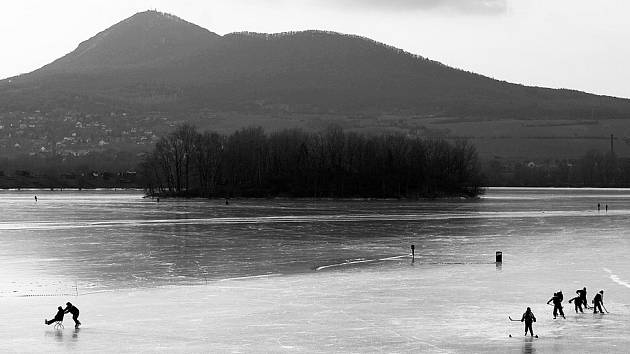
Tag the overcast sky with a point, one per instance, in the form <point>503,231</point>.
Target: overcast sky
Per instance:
<point>575,44</point>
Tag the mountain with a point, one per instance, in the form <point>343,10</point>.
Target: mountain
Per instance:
<point>156,61</point>
<point>147,39</point>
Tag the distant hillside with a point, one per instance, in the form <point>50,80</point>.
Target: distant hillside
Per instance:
<point>154,61</point>
<point>145,40</point>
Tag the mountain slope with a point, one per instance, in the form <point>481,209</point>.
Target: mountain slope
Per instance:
<point>145,39</point>
<point>155,61</point>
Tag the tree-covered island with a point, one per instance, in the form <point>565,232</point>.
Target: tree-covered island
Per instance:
<point>293,163</point>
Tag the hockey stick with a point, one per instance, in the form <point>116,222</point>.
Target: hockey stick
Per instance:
<point>512,319</point>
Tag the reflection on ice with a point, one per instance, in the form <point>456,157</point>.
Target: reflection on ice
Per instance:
<point>64,336</point>
<point>346,218</point>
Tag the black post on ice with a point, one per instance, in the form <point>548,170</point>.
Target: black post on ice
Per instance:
<point>499,260</point>
<point>413,253</point>
<point>499,257</point>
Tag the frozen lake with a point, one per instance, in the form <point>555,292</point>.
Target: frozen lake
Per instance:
<point>313,276</point>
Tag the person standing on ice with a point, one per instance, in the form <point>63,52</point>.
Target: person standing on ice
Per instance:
<point>598,301</point>
<point>557,304</point>
<point>528,318</point>
<point>582,294</point>
<point>75,313</point>
<point>578,303</point>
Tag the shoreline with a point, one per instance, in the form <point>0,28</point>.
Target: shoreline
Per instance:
<point>427,198</point>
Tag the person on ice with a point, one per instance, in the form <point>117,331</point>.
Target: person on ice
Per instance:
<point>528,318</point>
<point>58,316</point>
<point>75,313</point>
<point>598,301</point>
<point>557,304</point>
<point>582,294</point>
<point>578,302</point>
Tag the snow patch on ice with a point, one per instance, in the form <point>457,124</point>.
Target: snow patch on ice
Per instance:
<point>358,261</point>
<point>616,279</point>
<point>252,277</point>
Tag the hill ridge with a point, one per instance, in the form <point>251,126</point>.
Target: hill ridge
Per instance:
<point>310,71</point>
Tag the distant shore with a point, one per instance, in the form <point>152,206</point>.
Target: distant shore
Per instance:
<point>283,197</point>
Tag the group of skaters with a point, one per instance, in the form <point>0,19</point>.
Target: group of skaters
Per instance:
<point>580,302</point>
<point>70,308</point>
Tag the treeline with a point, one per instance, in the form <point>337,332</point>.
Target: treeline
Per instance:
<point>593,169</point>
<point>295,163</point>
<point>108,169</point>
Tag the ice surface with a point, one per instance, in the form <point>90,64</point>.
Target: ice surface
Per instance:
<point>256,287</point>
<point>388,308</point>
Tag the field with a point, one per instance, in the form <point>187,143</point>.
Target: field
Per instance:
<point>507,139</point>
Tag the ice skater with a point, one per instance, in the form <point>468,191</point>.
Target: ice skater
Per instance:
<point>598,302</point>
<point>58,317</point>
<point>529,318</point>
<point>35,199</point>
<point>582,294</point>
<point>557,304</point>
<point>75,313</point>
<point>578,303</point>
